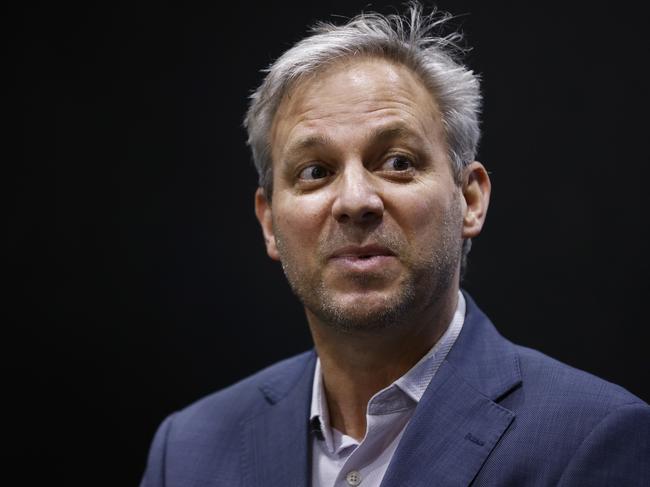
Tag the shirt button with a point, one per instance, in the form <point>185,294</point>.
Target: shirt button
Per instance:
<point>353,478</point>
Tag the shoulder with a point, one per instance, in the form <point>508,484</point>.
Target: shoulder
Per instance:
<point>565,404</point>
<point>569,427</point>
<point>247,397</point>
<point>596,430</point>
<point>201,439</point>
<point>549,381</point>
<point>492,363</point>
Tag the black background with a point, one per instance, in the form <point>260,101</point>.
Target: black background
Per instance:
<point>138,275</point>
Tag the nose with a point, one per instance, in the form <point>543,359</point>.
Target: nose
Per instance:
<point>357,199</point>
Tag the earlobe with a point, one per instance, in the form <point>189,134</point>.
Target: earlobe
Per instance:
<point>476,194</point>
<point>265,218</point>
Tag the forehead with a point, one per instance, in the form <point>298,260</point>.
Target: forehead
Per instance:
<point>355,96</point>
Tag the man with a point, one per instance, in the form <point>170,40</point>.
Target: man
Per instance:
<point>364,136</point>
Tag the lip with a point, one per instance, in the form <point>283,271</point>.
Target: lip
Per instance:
<point>361,252</point>
<point>363,259</point>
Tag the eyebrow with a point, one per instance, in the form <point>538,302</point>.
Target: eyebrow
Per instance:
<point>310,142</point>
<point>393,131</point>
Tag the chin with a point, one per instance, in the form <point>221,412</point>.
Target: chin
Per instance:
<point>367,311</point>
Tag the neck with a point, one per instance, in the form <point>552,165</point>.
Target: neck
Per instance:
<point>357,364</point>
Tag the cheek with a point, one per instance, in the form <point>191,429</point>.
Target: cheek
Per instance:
<point>300,220</point>
<point>426,216</point>
<point>415,211</point>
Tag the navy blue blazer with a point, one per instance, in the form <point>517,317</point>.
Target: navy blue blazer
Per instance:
<point>494,414</point>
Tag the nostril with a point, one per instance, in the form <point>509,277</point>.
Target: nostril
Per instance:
<point>343,218</point>
<point>371,215</point>
<point>359,207</point>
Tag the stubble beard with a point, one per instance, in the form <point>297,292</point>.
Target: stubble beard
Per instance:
<point>429,277</point>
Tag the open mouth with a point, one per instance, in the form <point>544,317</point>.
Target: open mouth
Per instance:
<point>366,253</point>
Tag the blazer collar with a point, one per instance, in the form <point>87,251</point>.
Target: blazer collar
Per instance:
<point>458,423</point>
<point>487,361</point>
<point>276,441</point>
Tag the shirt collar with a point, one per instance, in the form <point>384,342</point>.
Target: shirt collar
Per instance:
<point>320,416</point>
<point>417,379</point>
<point>413,383</point>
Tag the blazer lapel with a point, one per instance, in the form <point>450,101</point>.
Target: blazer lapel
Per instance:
<point>457,422</point>
<point>276,449</point>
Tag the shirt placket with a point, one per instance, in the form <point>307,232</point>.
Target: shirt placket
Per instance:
<point>387,414</point>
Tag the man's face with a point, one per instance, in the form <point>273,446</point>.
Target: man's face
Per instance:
<point>365,216</point>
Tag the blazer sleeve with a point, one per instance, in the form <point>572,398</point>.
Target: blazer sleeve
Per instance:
<point>616,452</point>
<point>154,475</point>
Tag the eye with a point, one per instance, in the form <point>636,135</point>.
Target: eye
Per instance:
<point>397,163</point>
<point>313,172</point>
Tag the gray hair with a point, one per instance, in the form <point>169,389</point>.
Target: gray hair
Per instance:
<point>411,40</point>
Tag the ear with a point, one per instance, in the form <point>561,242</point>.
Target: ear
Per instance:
<point>265,217</point>
<point>476,195</point>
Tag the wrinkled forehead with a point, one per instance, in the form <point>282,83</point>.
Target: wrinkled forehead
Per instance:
<point>366,90</point>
